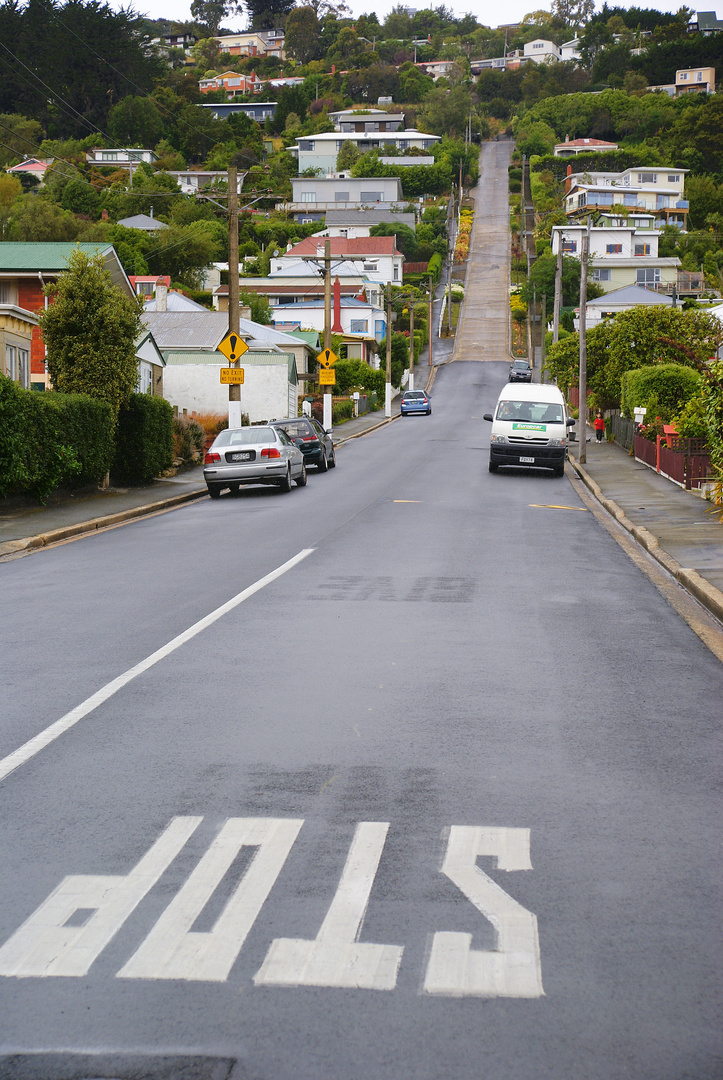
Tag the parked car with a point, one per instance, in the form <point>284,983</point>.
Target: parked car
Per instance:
<point>309,436</point>
<point>415,401</point>
<point>520,371</point>
<point>261,454</point>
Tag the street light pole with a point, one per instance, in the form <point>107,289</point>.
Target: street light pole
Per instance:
<point>557,303</point>
<point>431,317</point>
<point>388,384</point>
<point>582,379</point>
<point>327,328</point>
<point>410,383</point>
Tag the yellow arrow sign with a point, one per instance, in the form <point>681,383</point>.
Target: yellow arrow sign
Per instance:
<point>232,374</point>
<point>233,347</point>
<point>327,358</point>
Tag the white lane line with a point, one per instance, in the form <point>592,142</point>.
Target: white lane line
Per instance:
<point>54,731</point>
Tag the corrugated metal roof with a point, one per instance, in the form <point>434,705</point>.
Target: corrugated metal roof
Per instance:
<point>43,256</point>
<point>204,330</point>
<point>368,217</point>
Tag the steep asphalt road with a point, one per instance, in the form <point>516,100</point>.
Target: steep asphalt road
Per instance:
<point>469,746</point>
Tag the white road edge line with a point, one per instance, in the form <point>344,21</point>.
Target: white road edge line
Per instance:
<point>29,749</point>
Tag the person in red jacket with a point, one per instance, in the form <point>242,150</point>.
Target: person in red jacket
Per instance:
<point>599,425</point>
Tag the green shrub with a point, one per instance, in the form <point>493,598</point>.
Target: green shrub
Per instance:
<point>342,410</point>
<point>144,444</point>
<point>434,266</point>
<point>188,437</point>
<point>664,388</point>
<point>51,439</point>
<point>356,375</point>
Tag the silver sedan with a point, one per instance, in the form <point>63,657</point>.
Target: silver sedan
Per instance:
<point>252,455</point>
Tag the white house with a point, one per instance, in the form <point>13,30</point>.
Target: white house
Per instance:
<point>366,120</point>
<point>121,157</point>
<point>623,251</point>
<point>657,190</point>
<point>570,50</point>
<point>573,147</point>
<point>542,51</point>
<point>375,258</point>
<point>320,151</point>
<point>191,181</point>
<point>314,195</point>
<point>353,223</point>
<point>357,321</point>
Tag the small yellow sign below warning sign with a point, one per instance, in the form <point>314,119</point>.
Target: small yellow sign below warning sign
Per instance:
<point>232,375</point>
<point>327,358</point>
<point>327,377</point>
<point>233,347</point>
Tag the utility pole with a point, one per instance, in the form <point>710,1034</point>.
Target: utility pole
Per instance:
<point>234,390</point>
<point>582,379</point>
<point>534,324</point>
<point>558,293</point>
<point>544,328</point>
<point>431,316</point>
<point>327,327</point>
<point>388,385</point>
<point>410,384</point>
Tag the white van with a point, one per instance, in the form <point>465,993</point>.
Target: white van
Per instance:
<point>529,428</point>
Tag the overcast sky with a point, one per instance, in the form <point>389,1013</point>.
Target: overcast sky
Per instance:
<point>487,12</point>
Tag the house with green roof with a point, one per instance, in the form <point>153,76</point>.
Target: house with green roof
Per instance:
<point>25,268</point>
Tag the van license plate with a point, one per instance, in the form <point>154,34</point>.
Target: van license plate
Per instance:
<point>527,461</point>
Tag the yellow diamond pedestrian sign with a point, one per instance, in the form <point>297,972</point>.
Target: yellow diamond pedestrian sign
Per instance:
<point>233,347</point>
<point>327,358</point>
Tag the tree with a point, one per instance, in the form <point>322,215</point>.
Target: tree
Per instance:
<point>268,14</point>
<point>90,332</point>
<point>261,310</point>
<point>10,190</point>
<point>135,121</point>
<point>348,155</point>
<point>445,112</point>
<point>573,13</point>
<point>209,13</point>
<point>302,34</point>
<point>398,23</point>
<point>20,137</point>
<point>542,276</point>
<point>81,198</point>
<point>400,357</point>
<point>406,241</point>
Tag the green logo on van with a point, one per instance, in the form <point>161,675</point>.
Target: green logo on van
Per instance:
<point>529,427</point>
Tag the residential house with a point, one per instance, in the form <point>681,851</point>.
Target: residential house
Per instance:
<point>253,43</point>
<point>260,111</point>
<point>24,269</point>
<point>623,251</point>
<point>542,51</point>
<point>352,223</point>
<point>705,22</point>
<point>612,303</point>
<point>375,258</point>
<point>512,60</point>
<point>407,161</point>
<point>360,324</point>
<point>573,147</point>
<point>195,181</point>
<point>366,120</point>
<point>120,157</point>
<point>299,282</point>
<point>695,81</point>
<point>191,378</point>
<point>647,190</point>
<point>320,151</point>
<point>17,325</point>
<point>145,285</point>
<point>438,69</point>
<point>30,167</point>
<point>312,196</point>
<point>145,222</point>
<point>150,365</point>
<point>234,83</point>
<point>570,50</point>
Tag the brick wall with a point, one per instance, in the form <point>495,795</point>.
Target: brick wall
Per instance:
<point>30,297</point>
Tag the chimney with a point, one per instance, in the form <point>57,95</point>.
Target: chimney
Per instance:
<point>289,247</point>
<point>244,311</point>
<point>336,327</point>
<point>567,138</point>
<point>161,297</point>
<point>104,215</point>
<point>568,180</point>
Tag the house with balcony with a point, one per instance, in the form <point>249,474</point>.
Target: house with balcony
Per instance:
<point>657,191</point>
<point>366,120</point>
<point>249,43</point>
<point>360,324</point>
<point>542,51</point>
<point>695,81</point>
<point>374,258</point>
<point>623,252</point>
<point>194,181</point>
<point>120,157</point>
<point>312,196</point>
<point>260,111</point>
<point>352,223</point>
<point>234,83</point>
<point>320,151</point>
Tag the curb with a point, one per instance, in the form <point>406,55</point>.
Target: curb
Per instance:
<point>32,543</point>
<point>705,593</point>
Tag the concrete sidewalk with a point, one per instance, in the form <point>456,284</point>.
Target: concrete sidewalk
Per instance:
<point>678,528</point>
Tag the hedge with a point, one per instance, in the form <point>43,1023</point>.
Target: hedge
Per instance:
<point>144,440</point>
<point>50,439</point>
<point>434,266</point>
<point>663,387</point>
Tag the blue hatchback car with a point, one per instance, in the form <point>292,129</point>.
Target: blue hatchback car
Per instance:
<point>415,401</point>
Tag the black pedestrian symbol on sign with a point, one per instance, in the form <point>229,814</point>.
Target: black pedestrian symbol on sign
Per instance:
<point>232,342</point>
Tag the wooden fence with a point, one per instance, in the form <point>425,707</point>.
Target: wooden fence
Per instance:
<point>685,461</point>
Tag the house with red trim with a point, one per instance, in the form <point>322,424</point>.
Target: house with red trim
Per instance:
<point>374,258</point>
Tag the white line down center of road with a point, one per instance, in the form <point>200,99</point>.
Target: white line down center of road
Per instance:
<point>50,734</point>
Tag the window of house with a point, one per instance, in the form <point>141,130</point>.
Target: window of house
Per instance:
<point>371,196</point>
<point>642,249</point>
<point>396,273</point>
<point>699,76</point>
<point>537,45</point>
<point>647,178</point>
<point>306,144</point>
<point>613,249</point>
<point>601,275</point>
<point>10,352</point>
<point>341,196</point>
<point>673,179</point>
<point>308,196</point>
<point>306,220</point>
<point>5,292</point>
<point>649,275</point>
<point>359,326</point>
<point>370,265</point>
<point>683,76</point>
<point>145,377</point>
